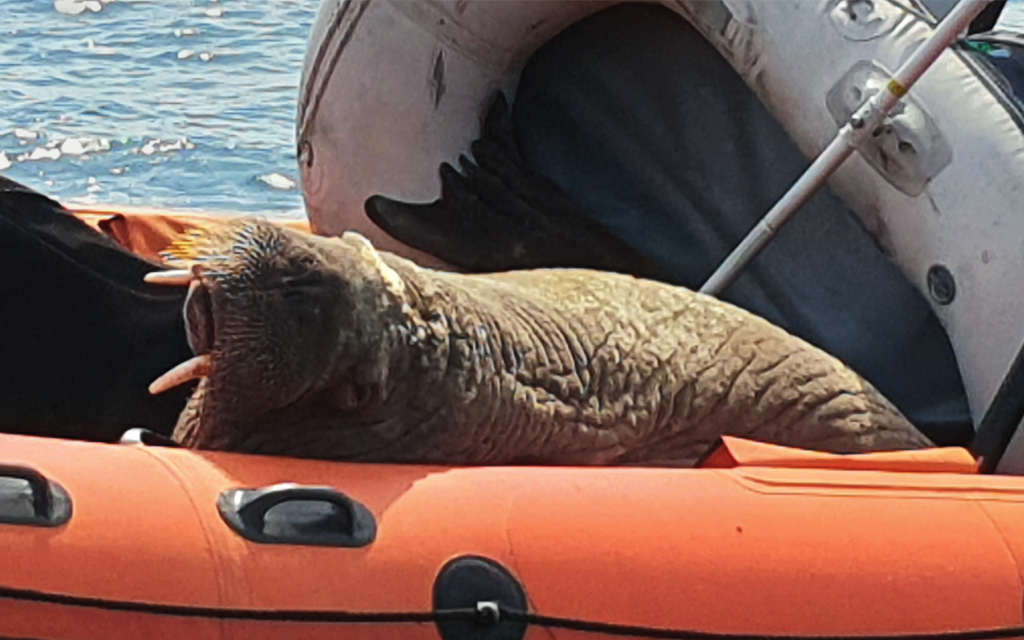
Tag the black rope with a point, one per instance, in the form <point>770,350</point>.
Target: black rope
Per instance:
<point>485,614</point>
<point>683,634</point>
<point>220,613</point>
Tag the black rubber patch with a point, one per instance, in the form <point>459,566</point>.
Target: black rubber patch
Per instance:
<point>479,583</point>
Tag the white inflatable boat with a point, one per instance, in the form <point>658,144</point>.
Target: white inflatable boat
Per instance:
<point>392,89</point>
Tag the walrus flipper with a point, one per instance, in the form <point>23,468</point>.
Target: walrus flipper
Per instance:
<point>499,214</point>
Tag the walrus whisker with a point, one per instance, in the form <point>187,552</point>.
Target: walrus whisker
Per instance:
<point>196,367</point>
<point>174,277</point>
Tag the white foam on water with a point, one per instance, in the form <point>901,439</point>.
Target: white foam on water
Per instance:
<point>76,7</point>
<point>42,153</point>
<point>86,199</point>
<point>278,181</point>
<point>69,7</point>
<point>99,50</point>
<point>72,147</point>
<point>79,145</point>
<point>156,145</point>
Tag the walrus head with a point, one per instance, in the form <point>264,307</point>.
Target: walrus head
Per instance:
<point>281,322</point>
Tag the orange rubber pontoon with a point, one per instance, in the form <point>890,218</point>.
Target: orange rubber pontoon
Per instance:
<point>762,540</point>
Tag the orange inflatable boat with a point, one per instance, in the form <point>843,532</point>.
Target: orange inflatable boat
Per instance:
<point>134,540</point>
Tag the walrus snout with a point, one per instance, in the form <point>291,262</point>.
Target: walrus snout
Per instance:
<point>268,316</point>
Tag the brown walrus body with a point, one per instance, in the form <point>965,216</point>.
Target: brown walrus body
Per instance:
<point>326,348</point>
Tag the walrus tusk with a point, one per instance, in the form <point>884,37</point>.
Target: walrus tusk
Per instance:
<point>197,367</point>
<point>174,277</point>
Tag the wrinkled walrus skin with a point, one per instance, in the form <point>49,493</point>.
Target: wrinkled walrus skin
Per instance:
<point>326,348</point>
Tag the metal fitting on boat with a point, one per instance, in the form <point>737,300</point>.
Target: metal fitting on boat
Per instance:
<point>941,284</point>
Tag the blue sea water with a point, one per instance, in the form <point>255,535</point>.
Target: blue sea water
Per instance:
<point>185,104</point>
<point>1012,17</point>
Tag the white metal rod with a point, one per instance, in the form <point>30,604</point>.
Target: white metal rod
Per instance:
<point>864,120</point>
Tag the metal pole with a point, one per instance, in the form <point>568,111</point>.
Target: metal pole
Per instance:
<point>861,124</point>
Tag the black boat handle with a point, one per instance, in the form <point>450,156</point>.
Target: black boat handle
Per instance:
<point>347,524</point>
<point>51,504</point>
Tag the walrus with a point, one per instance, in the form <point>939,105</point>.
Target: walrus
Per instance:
<point>318,347</point>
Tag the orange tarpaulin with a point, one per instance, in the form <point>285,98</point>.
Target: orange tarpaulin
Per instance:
<point>147,232</point>
<point>733,452</point>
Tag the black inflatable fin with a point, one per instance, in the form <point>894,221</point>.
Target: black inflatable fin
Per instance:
<point>496,213</point>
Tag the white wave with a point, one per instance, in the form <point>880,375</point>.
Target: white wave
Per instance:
<point>278,181</point>
<point>41,153</point>
<point>82,145</point>
<point>99,50</point>
<point>156,145</point>
<point>76,7</point>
